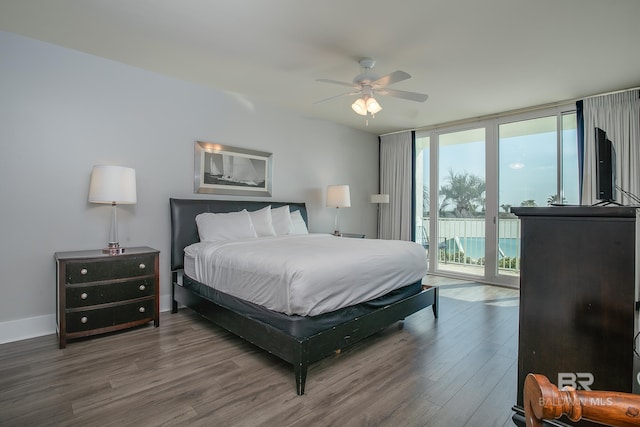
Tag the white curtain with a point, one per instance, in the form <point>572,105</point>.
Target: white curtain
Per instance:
<point>618,115</point>
<point>396,177</point>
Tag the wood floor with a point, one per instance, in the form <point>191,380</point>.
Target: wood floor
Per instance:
<point>458,370</point>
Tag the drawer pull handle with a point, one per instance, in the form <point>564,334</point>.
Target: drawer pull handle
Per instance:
<point>142,266</point>
<point>83,295</point>
<point>142,287</point>
<point>141,309</point>
<point>83,271</point>
<point>83,319</point>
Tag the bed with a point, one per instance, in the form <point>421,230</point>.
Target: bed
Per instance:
<point>299,339</point>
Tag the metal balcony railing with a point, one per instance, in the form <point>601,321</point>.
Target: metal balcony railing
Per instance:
<point>462,241</point>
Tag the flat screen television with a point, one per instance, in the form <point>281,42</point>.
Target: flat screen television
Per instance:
<point>605,168</point>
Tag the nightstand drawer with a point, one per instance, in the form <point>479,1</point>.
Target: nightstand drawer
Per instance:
<point>89,319</point>
<point>108,269</point>
<point>82,296</point>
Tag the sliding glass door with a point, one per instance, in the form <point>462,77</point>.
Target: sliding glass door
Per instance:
<point>538,166</point>
<point>467,179</point>
<point>461,201</point>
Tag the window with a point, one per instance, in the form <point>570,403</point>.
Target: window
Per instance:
<point>467,179</point>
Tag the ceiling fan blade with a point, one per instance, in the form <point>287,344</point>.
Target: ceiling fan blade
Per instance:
<point>336,82</point>
<point>389,79</point>
<point>411,96</point>
<point>337,96</point>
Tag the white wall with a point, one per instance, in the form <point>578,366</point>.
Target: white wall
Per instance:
<point>62,111</point>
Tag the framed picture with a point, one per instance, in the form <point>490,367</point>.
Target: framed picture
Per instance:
<point>221,169</point>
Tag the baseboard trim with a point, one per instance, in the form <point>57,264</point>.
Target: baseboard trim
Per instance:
<point>32,327</point>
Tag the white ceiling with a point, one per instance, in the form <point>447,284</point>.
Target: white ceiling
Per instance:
<point>473,57</point>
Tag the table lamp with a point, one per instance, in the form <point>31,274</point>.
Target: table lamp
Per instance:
<point>338,197</point>
<point>115,185</point>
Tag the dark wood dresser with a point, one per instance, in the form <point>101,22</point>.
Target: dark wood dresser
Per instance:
<point>98,293</point>
<point>578,293</point>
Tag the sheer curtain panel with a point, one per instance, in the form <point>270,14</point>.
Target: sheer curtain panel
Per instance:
<point>618,114</point>
<point>396,178</point>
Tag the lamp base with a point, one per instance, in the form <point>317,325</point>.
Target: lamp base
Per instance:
<point>113,249</point>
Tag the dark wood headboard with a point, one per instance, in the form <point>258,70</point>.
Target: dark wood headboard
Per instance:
<point>184,231</point>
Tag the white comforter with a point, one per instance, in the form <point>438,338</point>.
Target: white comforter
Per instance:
<point>308,274</point>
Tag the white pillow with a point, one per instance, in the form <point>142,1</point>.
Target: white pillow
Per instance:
<point>225,226</point>
<point>299,226</point>
<point>281,218</point>
<point>262,222</point>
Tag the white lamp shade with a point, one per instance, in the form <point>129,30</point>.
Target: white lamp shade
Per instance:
<point>112,184</point>
<point>373,106</point>
<point>338,196</point>
<point>379,198</point>
<point>359,107</point>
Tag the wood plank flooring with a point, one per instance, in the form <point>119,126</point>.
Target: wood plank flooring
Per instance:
<point>458,370</point>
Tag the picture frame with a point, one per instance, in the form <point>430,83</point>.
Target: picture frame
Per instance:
<point>226,170</point>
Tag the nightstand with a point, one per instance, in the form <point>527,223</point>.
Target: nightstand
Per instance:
<point>352,235</point>
<point>98,293</point>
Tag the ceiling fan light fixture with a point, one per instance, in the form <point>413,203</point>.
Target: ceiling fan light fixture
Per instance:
<point>366,83</point>
<point>372,106</point>
<point>359,107</point>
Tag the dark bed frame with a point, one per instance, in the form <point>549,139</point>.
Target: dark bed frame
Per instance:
<point>299,351</point>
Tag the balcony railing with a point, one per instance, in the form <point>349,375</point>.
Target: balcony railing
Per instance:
<point>461,241</point>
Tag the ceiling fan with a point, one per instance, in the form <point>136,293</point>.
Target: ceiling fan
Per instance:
<point>367,83</point>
